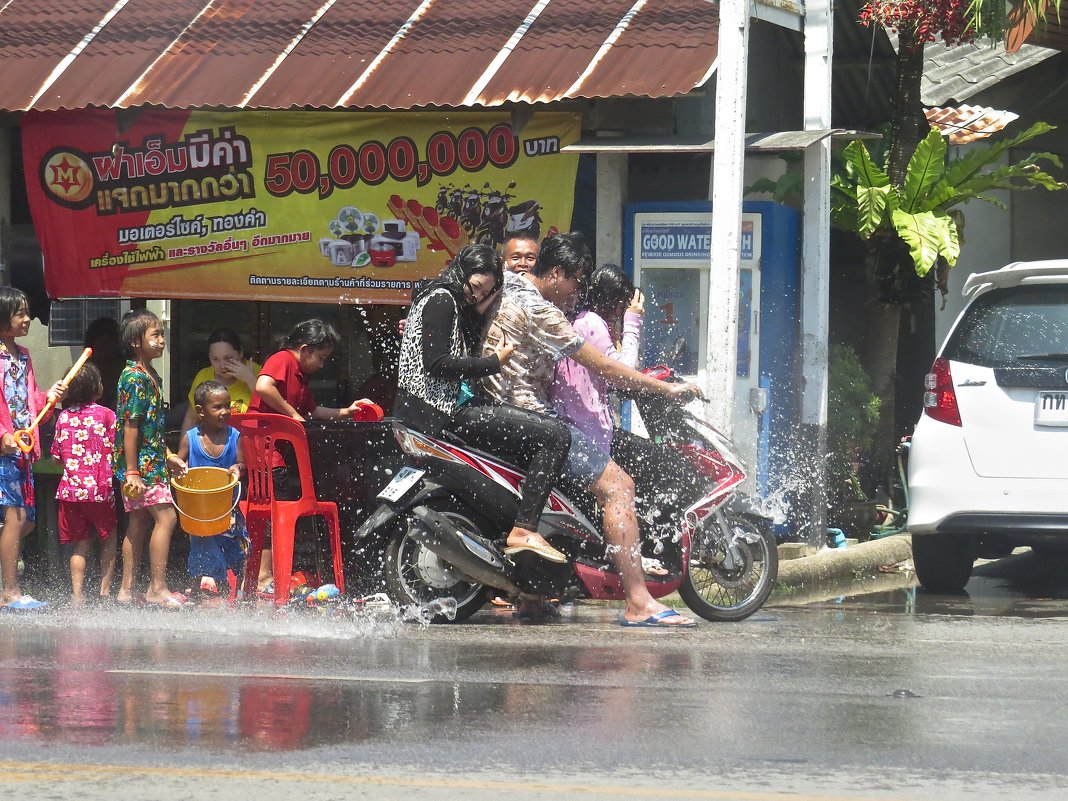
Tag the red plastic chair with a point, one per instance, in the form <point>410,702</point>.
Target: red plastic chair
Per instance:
<point>260,436</point>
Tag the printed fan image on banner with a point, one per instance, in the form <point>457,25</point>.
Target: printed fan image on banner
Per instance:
<point>291,206</point>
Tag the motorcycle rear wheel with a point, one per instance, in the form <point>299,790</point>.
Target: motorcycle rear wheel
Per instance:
<point>720,594</point>
<point>415,576</point>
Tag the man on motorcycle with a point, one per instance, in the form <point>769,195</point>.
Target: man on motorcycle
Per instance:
<point>520,252</point>
<point>530,315</point>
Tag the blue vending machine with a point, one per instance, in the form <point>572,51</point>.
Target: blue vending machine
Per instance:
<point>667,253</point>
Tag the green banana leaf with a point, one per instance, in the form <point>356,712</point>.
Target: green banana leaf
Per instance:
<point>924,170</point>
<point>928,235</point>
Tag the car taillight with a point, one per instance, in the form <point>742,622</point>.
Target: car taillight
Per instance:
<point>940,399</point>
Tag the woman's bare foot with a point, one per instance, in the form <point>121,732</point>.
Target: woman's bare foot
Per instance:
<point>524,540</point>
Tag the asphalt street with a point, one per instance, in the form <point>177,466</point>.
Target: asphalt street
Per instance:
<point>888,695</point>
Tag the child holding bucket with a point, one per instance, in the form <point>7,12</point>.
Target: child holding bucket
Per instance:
<point>213,443</point>
<point>141,460</point>
<point>83,445</point>
<point>20,401</point>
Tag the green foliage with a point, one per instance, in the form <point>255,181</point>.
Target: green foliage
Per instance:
<point>852,408</point>
<point>853,412</point>
<point>789,185</point>
<point>919,212</point>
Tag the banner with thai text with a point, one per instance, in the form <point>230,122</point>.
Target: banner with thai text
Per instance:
<point>329,207</point>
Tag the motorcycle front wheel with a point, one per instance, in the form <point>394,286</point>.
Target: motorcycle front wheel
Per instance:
<point>734,561</point>
<point>416,576</point>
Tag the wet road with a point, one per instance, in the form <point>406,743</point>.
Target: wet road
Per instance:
<point>891,695</point>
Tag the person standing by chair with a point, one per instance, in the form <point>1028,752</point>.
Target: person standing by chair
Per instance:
<point>282,388</point>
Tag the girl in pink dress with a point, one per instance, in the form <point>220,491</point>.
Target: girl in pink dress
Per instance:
<point>84,444</point>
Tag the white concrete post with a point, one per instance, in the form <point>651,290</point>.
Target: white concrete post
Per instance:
<point>728,163</point>
<point>611,195</point>
<point>815,272</point>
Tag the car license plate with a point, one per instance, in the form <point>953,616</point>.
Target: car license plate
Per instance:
<point>405,479</point>
<point>1051,409</point>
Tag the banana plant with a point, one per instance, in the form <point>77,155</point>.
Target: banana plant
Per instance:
<point>922,210</point>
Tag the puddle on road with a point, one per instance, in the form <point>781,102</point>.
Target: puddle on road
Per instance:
<point>1021,585</point>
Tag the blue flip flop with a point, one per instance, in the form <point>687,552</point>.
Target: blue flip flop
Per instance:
<point>657,621</point>
<point>26,603</point>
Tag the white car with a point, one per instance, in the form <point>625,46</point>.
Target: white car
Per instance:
<point>988,467</point>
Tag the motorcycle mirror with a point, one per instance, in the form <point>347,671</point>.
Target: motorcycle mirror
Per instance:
<point>678,347</point>
<point>511,185</point>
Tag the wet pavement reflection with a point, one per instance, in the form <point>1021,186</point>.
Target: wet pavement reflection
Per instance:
<point>1025,585</point>
<point>886,680</point>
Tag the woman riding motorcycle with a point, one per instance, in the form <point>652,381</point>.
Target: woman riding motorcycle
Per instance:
<point>443,329</point>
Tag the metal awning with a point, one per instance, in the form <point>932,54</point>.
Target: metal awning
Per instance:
<point>395,54</point>
<point>774,142</point>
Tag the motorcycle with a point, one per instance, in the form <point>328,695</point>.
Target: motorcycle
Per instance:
<point>472,211</point>
<point>525,218</point>
<point>441,205</point>
<point>439,530</point>
<point>494,220</point>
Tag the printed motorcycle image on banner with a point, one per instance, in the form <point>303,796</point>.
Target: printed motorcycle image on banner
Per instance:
<point>295,206</point>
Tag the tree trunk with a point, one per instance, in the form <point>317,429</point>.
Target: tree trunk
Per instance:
<point>884,320</point>
<point>909,125</point>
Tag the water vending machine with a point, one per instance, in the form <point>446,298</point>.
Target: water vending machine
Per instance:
<point>667,248</point>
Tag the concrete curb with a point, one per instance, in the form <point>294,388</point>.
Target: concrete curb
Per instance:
<point>835,564</point>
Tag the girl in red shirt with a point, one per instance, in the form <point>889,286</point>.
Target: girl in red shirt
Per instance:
<point>282,388</point>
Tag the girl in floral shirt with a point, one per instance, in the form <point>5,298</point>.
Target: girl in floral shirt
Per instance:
<point>141,461</point>
<point>20,401</point>
<point>83,445</point>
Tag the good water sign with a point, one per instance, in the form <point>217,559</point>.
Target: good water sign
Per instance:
<point>676,242</point>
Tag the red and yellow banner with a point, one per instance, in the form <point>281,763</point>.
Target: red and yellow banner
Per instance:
<point>296,206</point>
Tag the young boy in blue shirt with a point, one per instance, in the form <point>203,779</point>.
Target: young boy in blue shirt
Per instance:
<point>213,443</point>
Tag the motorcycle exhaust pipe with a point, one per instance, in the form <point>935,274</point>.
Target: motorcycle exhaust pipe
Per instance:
<point>467,554</point>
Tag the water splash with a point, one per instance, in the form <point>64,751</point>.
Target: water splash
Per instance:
<point>425,614</point>
<point>341,621</point>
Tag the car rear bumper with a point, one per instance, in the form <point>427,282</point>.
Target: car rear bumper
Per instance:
<point>946,496</point>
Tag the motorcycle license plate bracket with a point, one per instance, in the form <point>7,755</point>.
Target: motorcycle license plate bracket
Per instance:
<point>404,480</point>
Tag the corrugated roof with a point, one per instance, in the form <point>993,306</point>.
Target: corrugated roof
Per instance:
<point>396,54</point>
<point>965,124</point>
<point>953,74</point>
<point>772,142</point>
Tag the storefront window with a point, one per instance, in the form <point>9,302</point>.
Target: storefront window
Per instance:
<point>363,365</point>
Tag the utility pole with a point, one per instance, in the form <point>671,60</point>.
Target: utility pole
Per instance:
<point>815,275</point>
<point>726,185</point>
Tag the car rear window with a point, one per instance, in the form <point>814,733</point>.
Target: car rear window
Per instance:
<point>1003,325</point>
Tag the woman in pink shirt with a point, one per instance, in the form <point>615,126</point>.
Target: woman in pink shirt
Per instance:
<point>578,395</point>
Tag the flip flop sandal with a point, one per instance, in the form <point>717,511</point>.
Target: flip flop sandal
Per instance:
<point>174,602</point>
<point>25,603</point>
<point>546,552</point>
<point>654,567</point>
<point>657,621</point>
